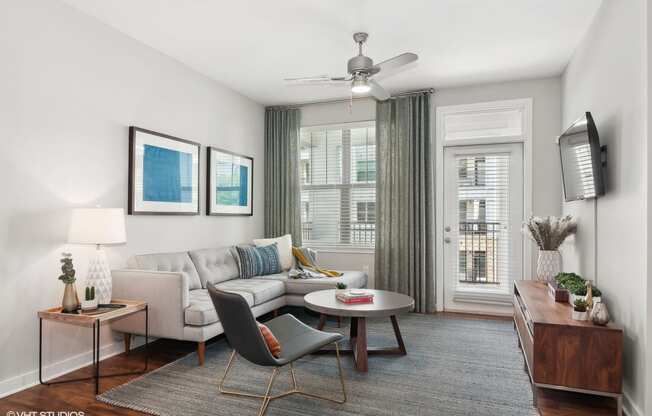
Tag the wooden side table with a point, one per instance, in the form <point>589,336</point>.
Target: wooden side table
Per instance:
<point>92,319</point>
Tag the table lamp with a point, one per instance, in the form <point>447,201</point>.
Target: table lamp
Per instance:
<point>98,226</point>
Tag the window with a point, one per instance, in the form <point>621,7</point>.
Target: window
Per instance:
<point>366,212</point>
<point>366,170</point>
<point>338,185</point>
<point>472,171</point>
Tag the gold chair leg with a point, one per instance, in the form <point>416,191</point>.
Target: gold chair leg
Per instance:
<point>330,399</point>
<point>294,377</point>
<point>268,398</point>
<point>295,389</point>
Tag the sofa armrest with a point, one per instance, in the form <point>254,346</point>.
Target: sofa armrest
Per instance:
<point>166,294</point>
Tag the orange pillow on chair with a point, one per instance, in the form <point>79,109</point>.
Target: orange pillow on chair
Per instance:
<point>272,343</point>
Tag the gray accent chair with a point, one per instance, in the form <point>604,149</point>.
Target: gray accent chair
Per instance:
<point>174,285</point>
<point>296,338</point>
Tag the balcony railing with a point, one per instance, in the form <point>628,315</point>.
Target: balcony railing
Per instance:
<point>478,251</point>
<point>306,231</point>
<point>361,234</point>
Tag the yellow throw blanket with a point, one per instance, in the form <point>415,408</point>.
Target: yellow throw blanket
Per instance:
<point>307,262</point>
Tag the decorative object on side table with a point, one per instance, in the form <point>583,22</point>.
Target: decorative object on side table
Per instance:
<point>558,293</point>
<point>600,314</point>
<point>98,226</point>
<point>340,288</point>
<point>577,287</point>
<point>163,174</point>
<point>230,183</point>
<point>90,301</point>
<point>579,310</point>
<point>70,302</point>
<point>549,233</point>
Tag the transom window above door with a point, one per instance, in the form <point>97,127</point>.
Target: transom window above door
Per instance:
<point>338,185</point>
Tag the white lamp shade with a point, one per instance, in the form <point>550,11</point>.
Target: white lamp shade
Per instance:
<point>97,226</point>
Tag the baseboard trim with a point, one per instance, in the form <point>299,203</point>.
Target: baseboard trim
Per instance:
<point>629,407</point>
<point>24,381</point>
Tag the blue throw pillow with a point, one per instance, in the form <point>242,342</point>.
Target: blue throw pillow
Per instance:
<point>258,261</point>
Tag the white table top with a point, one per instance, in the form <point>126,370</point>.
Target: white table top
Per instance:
<point>385,304</point>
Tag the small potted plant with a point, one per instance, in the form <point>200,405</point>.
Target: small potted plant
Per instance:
<point>580,310</point>
<point>340,288</point>
<point>90,301</point>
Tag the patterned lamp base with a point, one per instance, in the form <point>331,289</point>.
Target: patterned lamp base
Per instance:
<point>548,265</point>
<point>99,275</point>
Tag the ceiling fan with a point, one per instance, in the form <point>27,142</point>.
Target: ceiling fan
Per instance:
<point>361,69</point>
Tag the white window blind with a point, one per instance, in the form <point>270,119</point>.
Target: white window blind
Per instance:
<point>338,185</point>
<point>482,235</point>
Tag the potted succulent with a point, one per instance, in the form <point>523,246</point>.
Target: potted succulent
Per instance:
<point>90,302</point>
<point>340,288</point>
<point>549,233</point>
<point>577,287</point>
<point>70,302</point>
<point>580,310</point>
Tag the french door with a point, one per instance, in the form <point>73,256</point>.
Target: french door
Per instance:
<point>483,212</point>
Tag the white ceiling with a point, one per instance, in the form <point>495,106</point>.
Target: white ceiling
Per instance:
<point>251,45</point>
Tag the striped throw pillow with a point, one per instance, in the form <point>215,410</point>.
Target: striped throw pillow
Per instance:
<point>258,261</point>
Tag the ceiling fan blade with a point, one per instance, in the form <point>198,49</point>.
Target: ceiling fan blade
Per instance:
<point>396,62</point>
<point>320,79</point>
<point>377,91</point>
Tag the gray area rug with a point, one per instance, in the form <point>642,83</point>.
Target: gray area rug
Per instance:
<point>454,366</point>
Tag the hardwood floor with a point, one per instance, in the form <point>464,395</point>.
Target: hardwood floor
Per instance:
<point>80,396</point>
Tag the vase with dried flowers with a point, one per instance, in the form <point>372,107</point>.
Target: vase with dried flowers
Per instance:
<point>70,302</point>
<point>549,233</point>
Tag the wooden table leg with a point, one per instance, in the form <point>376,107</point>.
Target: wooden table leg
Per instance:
<point>322,322</point>
<point>397,333</point>
<point>360,348</point>
<point>353,331</point>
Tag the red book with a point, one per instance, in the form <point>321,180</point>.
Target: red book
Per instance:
<point>357,299</point>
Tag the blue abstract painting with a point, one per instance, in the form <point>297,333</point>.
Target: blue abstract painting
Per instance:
<point>232,184</point>
<point>167,175</point>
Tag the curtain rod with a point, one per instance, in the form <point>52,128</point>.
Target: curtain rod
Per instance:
<point>346,100</point>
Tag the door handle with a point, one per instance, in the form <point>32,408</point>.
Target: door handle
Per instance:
<point>447,229</point>
<point>447,240</point>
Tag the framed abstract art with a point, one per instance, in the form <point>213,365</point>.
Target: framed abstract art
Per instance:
<point>230,183</point>
<point>163,174</point>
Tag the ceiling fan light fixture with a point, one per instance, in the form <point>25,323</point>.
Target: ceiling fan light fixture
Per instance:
<point>360,86</point>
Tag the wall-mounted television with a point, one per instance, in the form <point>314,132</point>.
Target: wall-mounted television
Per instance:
<point>581,160</point>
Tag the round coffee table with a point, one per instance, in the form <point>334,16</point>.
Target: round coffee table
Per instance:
<point>385,304</point>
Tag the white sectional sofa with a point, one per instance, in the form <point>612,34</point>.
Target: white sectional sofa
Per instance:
<point>174,286</point>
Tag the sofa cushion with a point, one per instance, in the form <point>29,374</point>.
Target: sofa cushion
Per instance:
<point>168,262</point>
<point>262,290</point>
<point>352,279</point>
<point>214,265</point>
<point>201,310</point>
<point>284,245</point>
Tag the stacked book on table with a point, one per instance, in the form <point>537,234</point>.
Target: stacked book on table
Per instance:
<point>355,296</point>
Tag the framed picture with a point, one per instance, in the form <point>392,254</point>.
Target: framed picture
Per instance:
<point>163,174</point>
<point>230,183</point>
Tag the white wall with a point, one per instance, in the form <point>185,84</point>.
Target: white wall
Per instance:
<point>606,76</point>
<point>69,89</point>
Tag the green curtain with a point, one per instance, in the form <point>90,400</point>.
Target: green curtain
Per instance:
<point>404,191</point>
<point>282,193</point>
